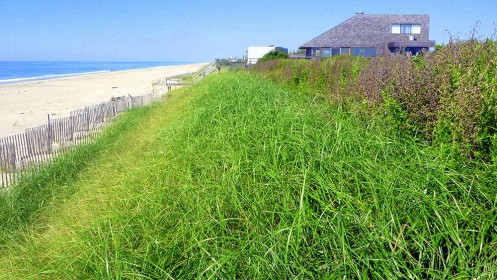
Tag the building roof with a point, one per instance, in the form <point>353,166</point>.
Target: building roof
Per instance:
<point>365,30</point>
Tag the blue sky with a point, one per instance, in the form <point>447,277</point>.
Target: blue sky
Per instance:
<point>197,31</point>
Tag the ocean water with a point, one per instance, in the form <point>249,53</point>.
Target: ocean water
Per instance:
<point>20,71</point>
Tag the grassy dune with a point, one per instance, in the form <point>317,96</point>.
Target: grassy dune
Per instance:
<point>240,178</point>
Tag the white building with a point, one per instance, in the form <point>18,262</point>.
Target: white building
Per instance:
<point>257,52</point>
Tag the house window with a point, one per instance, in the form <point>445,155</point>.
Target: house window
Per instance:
<point>369,52</point>
<point>366,52</point>
<point>406,28</point>
<point>325,52</point>
<point>316,52</point>
<point>358,51</point>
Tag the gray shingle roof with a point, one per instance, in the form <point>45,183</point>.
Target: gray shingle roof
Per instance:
<point>363,30</point>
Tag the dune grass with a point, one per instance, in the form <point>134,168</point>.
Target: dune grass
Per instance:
<point>240,178</point>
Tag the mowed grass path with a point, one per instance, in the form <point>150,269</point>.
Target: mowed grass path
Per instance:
<point>53,242</point>
<point>240,178</point>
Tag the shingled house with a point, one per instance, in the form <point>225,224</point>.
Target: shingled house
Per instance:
<point>373,35</point>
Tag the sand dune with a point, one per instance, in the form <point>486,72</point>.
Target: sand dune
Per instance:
<point>27,104</point>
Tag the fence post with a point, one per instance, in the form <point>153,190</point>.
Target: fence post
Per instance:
<point>12,154</point>
<point>3,165</point>
<point>49,136</point>
<point>114,108</point>
<point>87,116</point>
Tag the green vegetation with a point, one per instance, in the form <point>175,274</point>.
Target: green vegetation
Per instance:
<point>276,54</point>
<point>445,97</point>
<point>239,177</point>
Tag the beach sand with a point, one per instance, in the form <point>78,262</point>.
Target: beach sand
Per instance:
<point>28,104</point>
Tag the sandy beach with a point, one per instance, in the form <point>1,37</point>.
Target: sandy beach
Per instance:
<point>27,104</point>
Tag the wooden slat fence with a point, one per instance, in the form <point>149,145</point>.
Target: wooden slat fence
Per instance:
<point>27,151</point>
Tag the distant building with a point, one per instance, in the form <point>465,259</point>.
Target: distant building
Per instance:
<point>257,52</point>
<point>372,35</point>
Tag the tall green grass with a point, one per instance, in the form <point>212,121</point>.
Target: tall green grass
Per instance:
<point>240,178</point>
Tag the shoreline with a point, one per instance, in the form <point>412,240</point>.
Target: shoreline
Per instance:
<point>48,77</point>
<point>27,104</point>
<point>45,70</point>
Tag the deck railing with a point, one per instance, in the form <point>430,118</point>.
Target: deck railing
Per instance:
<point>191,78</point>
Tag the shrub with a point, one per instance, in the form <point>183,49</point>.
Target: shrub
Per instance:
<point>448,96</point>
<point>276,54</point>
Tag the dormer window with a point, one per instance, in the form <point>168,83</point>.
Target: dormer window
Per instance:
<point>406,29</point>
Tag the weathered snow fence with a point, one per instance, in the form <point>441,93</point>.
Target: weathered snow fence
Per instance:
<point>27,151</point>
